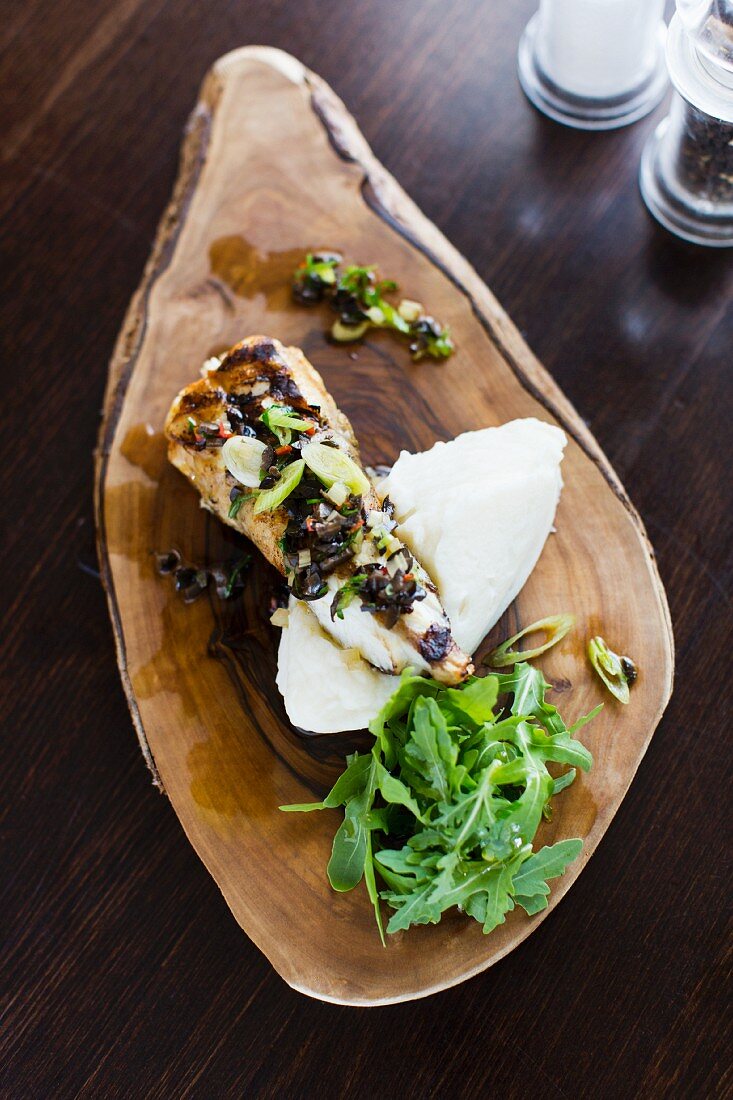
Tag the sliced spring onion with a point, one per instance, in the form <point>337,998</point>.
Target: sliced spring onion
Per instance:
<point>279,617</point>
<point>282,422</point>
<point>555,627</point>
<point>242,456</point>
<point>617,673</point>
<point>391,318</point>
<point>391,545</point>
<point>269,499</point>
<point>331,465</point>
<point>345,334</point>
<point>321,269</point>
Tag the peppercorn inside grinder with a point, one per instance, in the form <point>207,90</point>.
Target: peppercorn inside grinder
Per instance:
<point>594,64</point>
<point>686,175</point>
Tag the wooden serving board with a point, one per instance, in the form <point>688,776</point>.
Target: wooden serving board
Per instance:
<point>272,166</point>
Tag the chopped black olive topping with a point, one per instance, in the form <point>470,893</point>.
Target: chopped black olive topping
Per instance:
<point>308,584</point>
<point>271,478</point>
<point>393,594</point>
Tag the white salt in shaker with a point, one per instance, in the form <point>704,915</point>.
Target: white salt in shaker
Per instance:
<point>594,64</point>
<point>686,175</point>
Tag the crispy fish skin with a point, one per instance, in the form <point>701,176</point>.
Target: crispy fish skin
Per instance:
<point>258,370</point>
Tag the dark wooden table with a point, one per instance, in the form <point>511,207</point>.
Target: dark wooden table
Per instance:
<point>123,973</point>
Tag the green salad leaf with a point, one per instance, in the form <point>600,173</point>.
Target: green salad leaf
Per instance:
<point>443,812</point>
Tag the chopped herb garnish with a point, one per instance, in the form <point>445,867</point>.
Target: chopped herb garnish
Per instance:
<point>555,627</point>
<point>359,297</point>
<point>234,576</point>
<point>618,673</point>
<point>347,593</point>
<point>236,504</point>
<point>445,808</point>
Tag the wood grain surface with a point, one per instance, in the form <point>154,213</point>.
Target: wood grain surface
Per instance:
<point>272,167</point>
<point>123,973</point>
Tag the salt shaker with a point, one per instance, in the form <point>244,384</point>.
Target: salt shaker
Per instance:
<point>594,64</point>
<point>686,174</point>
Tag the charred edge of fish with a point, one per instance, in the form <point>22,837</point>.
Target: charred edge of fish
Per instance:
<point>435,643</point>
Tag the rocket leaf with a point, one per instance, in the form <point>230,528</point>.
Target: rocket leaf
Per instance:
<point>446,807</point>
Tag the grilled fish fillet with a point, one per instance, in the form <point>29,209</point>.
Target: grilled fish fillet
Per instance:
<point>250,378</point>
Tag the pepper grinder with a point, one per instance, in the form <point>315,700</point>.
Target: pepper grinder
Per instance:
<point>594,64</point>
<point>686,174</point>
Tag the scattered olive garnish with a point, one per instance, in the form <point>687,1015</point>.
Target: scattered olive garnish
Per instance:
<point>357,295</point>
<point>191,580</point>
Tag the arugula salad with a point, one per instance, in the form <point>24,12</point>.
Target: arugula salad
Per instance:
<point>443,812</point>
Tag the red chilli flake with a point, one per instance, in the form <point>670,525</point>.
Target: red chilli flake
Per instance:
<point>284,450</point>
<point>224,433</point>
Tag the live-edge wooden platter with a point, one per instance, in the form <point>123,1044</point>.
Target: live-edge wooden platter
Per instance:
<point>273,165</point>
